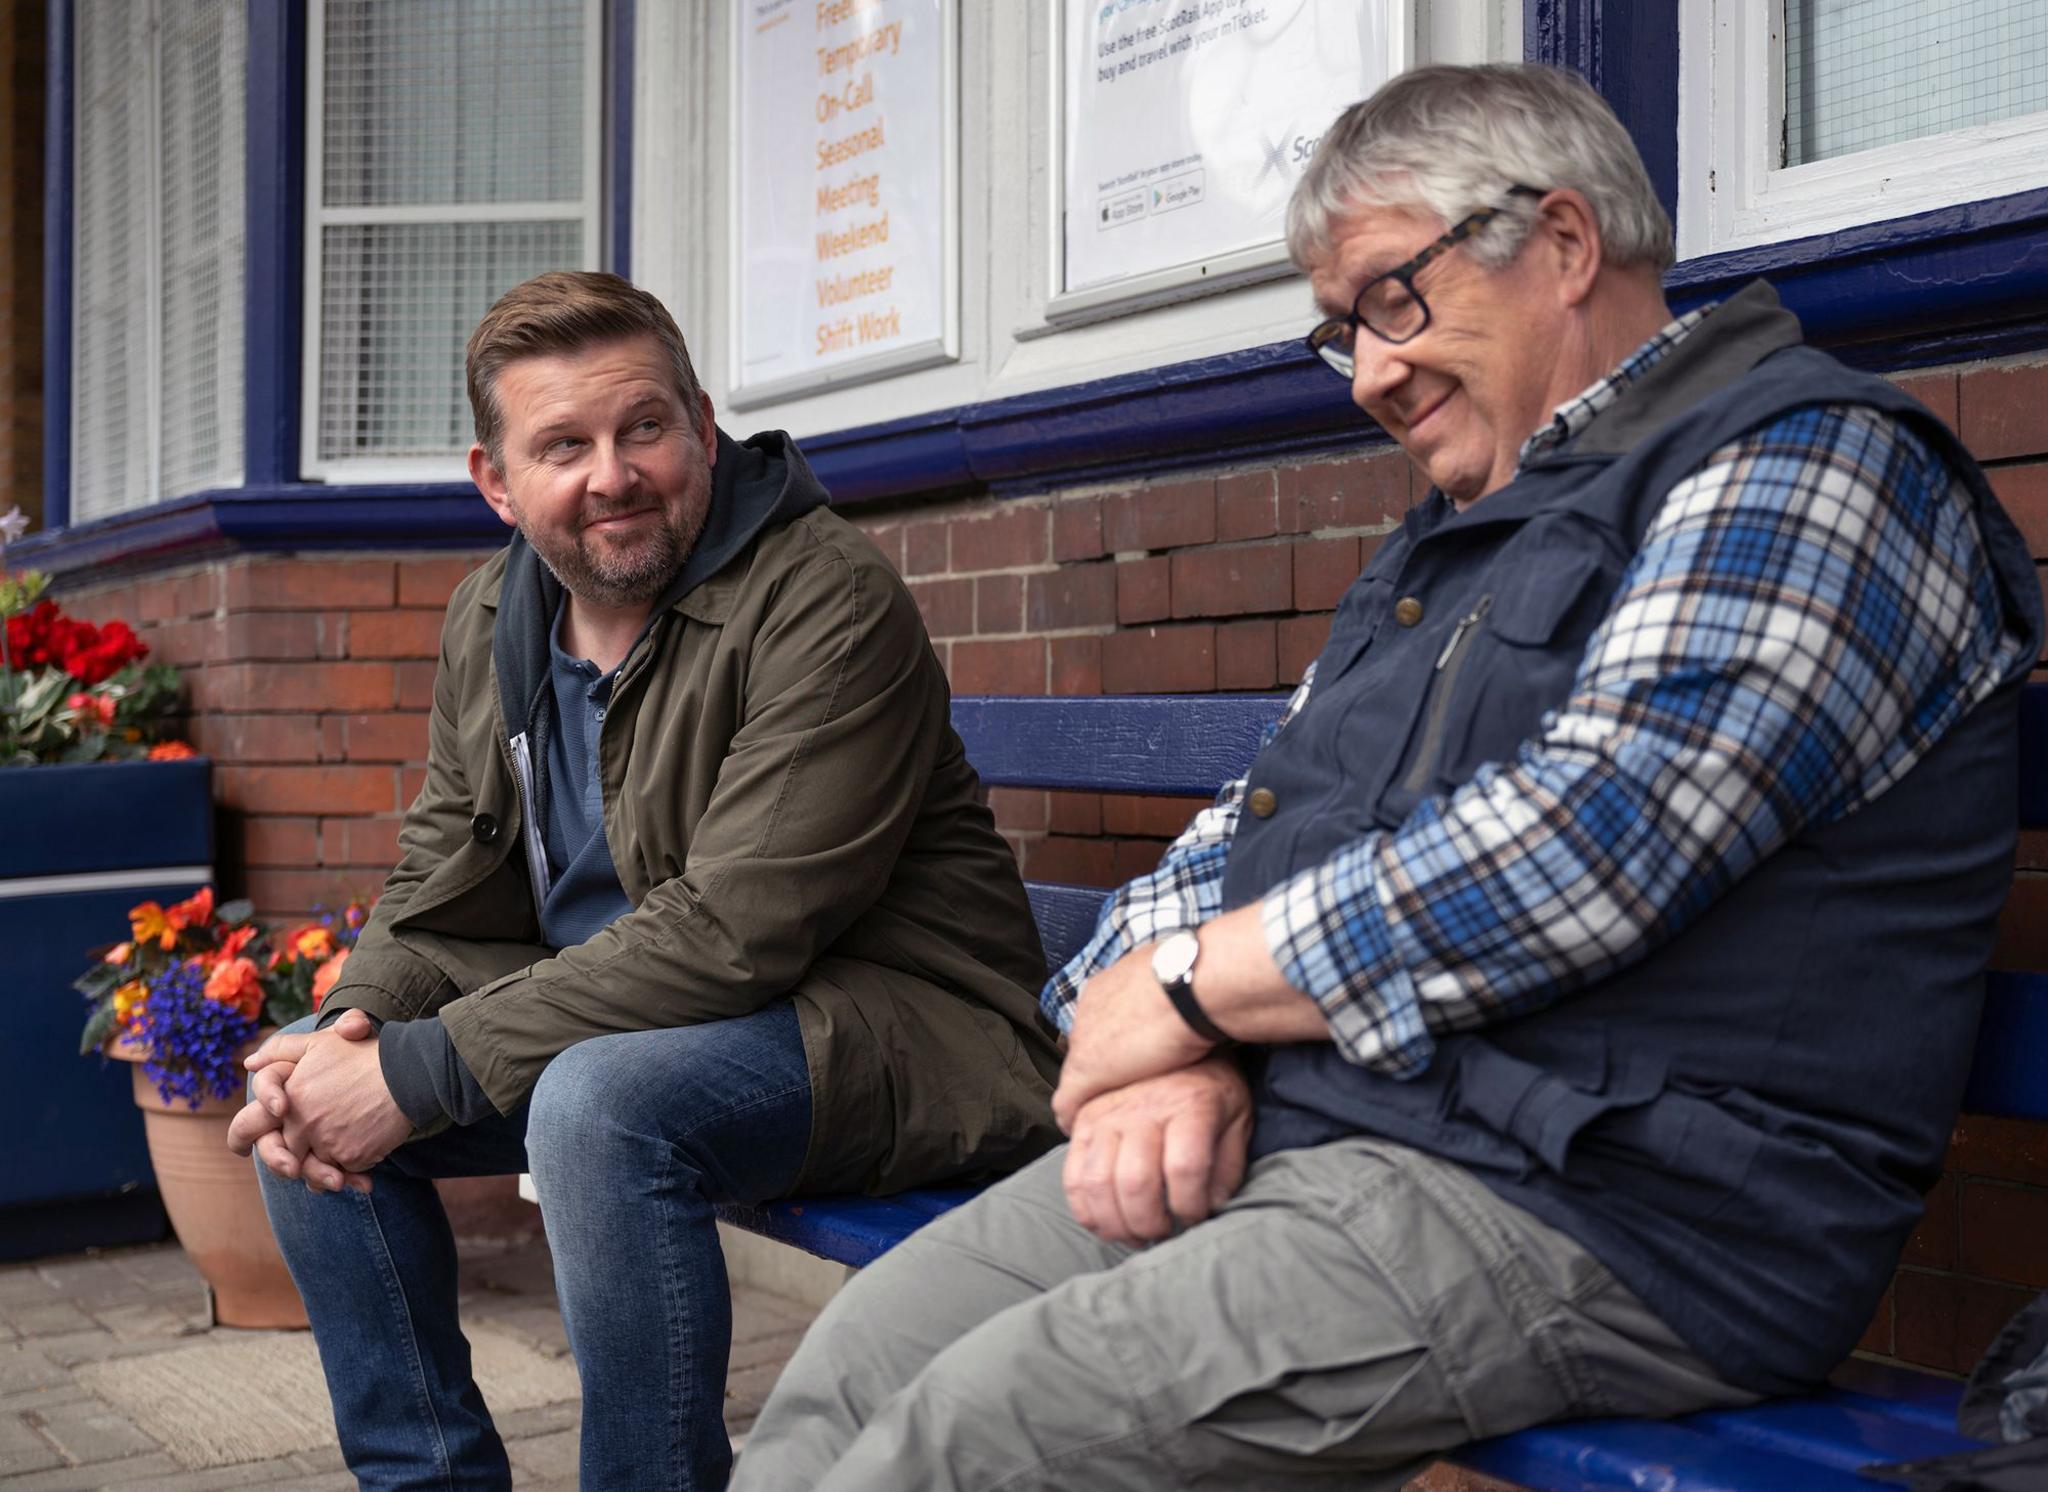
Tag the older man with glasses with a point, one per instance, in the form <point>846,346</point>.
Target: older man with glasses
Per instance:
<point>1566,1013</point>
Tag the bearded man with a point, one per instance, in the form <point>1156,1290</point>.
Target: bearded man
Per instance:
<point>699,902</point>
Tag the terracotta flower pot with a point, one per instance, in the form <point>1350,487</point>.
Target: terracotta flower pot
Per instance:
<point>215,1204</point>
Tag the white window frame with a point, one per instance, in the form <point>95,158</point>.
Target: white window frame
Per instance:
<point>1731,107</point>
<point>588,210</point>
<point>151,454</point>
<point>682,242</point>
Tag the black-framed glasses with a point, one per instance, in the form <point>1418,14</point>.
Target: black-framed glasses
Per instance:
<point>1389,306</point>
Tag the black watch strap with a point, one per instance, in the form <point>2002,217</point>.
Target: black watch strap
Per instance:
<point>1182,993</point>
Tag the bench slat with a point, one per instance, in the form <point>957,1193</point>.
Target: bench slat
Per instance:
<point>846,1230</point>
<point>1155,744</point>
<point>1627,1455</point>
<point>1830,1432</point>
<point>2009,1074</point>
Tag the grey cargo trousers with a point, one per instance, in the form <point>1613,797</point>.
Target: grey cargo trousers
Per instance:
<point>1355,1309</point>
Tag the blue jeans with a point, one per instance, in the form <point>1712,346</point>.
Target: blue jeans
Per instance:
<point>630,1139</point>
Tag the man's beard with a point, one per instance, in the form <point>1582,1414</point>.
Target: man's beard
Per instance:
<point>622,575</point>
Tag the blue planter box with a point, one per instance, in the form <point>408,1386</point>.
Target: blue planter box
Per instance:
<point>79,846</point>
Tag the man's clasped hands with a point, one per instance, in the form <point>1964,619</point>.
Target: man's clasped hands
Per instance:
<point>319,1110</point>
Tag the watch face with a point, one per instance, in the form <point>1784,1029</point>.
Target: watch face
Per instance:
<point>1173,959</point>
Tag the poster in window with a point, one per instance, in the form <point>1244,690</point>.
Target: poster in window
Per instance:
<point>1186,124</point>
<point>845,235</point>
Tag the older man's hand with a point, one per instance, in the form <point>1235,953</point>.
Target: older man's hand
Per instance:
<point>1160,1155</point>
<point>1125,1030</point>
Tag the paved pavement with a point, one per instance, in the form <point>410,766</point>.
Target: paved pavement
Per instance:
<point>72,1321</point>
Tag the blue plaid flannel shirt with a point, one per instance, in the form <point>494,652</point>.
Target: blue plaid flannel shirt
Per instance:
<point>1808,612</point>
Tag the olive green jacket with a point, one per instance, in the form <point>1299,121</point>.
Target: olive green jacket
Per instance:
<point>790,813</point>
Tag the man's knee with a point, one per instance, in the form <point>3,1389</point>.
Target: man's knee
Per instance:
<point>587,1097</point>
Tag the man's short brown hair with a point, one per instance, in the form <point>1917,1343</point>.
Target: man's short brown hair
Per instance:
<point>566,310</point>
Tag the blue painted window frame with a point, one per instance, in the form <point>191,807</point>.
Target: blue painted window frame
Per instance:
<point>1941,286</point>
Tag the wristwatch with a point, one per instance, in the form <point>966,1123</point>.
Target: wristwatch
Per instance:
<point>1173,965</point>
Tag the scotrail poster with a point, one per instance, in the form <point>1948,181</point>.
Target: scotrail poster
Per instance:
<point>1187,122</point>
<point>842,164</point>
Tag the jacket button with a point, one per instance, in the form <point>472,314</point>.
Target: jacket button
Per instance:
<point>1262,802</point>
<point>1407,611</point>
<point>483,828</point>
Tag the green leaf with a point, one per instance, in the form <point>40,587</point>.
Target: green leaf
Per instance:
<point>98,1027</point>
<point>235,913</point>
<point>99,980</point>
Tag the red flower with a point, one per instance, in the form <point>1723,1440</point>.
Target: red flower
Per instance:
<point>95,707</point>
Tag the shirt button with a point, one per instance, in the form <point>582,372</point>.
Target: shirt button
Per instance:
<point>1262,802</point>
<point>483,828</point>
<point>1407,611</point>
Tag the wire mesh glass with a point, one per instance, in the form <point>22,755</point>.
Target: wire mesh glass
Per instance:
<point>444,101</point>
<point>398,302</point>
<point>1864,73</point>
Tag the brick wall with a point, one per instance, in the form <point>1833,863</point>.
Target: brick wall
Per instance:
<point>21,266</point>
<point>311,675</point>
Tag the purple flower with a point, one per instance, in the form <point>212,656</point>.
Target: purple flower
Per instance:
<point>192,1040</point>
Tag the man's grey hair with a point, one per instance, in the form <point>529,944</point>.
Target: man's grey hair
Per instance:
<point>1452,140</point>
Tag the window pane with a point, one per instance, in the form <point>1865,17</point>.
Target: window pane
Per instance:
<point>397,304</point>
<point>204,47</point>
<point>1865,73</point>
<point>110,348</point>
<point>441,101</point>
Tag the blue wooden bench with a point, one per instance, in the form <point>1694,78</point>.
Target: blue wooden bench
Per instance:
<point>1190,747</point>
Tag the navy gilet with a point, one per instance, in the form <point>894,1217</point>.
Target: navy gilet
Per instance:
<point>1742,1124</point>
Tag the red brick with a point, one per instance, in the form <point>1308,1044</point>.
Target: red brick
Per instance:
<point>924,549</point>
<point>1132,858</point>
<point>1011,537</point>
<point>1176,515</point>
<point>1323,571</point>
<point>1018,808</point>
<point>280,841</point>
<point>330,634</point>
<point>1144,590</point>
<point>430,582</point>
<point>333,739</point>
<point>1877,1336</point>
<point>1010,666</point>
<point>1933,1243</point>
<point>1075,862</point>
<point>1150,818</point>
<point>295,893</point>
<point>2007,1149</point>
<point>1120,523</point>
<point>1245,658</point>
<point>294,686</point>
<point>2023,926</point>
<point>1298,641</point>
<point>410,781</point>
<point>1233,582</point>
<point>1074,813</point>
<point>999,603</point>
<point>234,739</point>
<point>947,606</point>
<point>1076,665</point>
<point>1938,391</point>
<point>384,738</point>
<point>2032,853</point>
<point>2024,492</point>
<point>1244,507</point>
<point>371,842</point>
<point>183,644</point>
<point>2004,411</point>
<point>2005,1232</point>
<point>1945,1321</point>
<point>197,594</point>
<point>394,634</point>
<point>1076,596</point>
<point>1354,493</point>
<point>416,685</point>
<point>1155,660</point>
<point>889,539</point>
<point>270,636</point>
<point>1077,530</point>
<point>156,600</point>
<point>306,790</point>
<point>293,585</point>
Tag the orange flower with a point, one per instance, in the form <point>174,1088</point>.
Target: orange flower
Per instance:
<point>234,982</point>
<point>311,941</point>
<point>128,1000</point>
<point>170,751</point>
<point>325,976</point>
<point>237,940</point>
<point>150,923</point>
<point>118,954</point>
<point>195,910</point>
<point>95,707</point>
